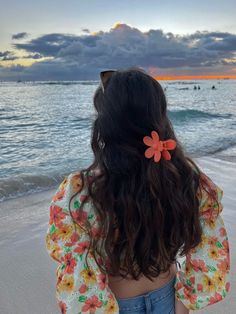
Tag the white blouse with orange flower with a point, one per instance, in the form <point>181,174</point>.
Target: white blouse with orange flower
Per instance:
<point>82,288</point>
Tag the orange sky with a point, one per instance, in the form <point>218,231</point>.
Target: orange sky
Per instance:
<point>195,77</point>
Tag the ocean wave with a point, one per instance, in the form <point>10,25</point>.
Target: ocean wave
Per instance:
<point>20,185</point>
<point>64,83</point>
<point>186,82</point>
<point>38,83</point>
<point>223,146</point>
<point>187,114</point>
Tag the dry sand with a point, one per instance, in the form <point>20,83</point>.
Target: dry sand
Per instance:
<point>27,273</point>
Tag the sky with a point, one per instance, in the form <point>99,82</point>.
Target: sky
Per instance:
<point>76,39</point>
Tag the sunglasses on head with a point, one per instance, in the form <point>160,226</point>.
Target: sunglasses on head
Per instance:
<point>104,76</point>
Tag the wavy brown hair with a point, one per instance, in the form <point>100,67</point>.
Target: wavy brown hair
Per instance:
<point>148,211</point>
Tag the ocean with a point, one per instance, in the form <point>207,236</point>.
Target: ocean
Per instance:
<point>45,127</point>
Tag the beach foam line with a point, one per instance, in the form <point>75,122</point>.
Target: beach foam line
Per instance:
<point>27,184</point>
<point>22,185</point>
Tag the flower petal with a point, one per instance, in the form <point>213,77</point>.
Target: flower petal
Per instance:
<point>166,155</point>
<point>157,156</point>
<point>155,137</point>
<point>149,152</point>
<point>148,140</point>
<point>169,144</point>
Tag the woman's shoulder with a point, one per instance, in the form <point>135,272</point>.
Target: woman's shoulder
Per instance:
<point>210,195</point>
<point>72,191</point>
<point>70,183</point>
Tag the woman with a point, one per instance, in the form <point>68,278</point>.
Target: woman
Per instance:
<point>118,227</point>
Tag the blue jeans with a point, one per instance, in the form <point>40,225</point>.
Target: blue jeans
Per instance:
<point>158,301</point>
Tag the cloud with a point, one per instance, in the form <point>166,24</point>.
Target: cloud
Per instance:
<point>47,45</point>
<point>86,30</point>
<point>83,56</point>
<point>213,41</point>
<point>19,35</point>
<point>7,56</point>
<point>33,56</point>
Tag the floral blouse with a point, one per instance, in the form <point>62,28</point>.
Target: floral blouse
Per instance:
<point>202,279</point>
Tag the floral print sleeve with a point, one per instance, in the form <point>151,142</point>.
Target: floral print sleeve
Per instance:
<point>79,289</point>
<point>203,278</point>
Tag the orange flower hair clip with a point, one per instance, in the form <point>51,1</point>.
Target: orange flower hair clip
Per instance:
<point>158,148</point>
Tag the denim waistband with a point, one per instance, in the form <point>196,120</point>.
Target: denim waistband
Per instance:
<point>140,301</point>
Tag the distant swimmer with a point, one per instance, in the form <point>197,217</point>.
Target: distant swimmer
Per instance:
<point>213,87</point>
<point>195,87</point>
<point>198,87</point>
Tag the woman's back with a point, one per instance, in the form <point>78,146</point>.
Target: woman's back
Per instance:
<point>128,287</point>
<point>148,203</point>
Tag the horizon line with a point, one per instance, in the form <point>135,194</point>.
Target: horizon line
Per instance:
<point>194,77</point>
<point>160,78</point>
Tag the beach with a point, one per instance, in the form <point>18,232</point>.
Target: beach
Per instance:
<point>27,272</point>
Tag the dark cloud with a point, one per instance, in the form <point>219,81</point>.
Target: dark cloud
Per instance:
<point>86,30</point>
<point>83,56</point>
<point>47,45</point>
<point>7,56</point>
<point>213,41</point>
<point>20,35</point>
<point>34,56</point>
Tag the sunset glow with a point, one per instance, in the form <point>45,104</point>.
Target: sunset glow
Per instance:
<point>27,62</point>
<point>195,77</point>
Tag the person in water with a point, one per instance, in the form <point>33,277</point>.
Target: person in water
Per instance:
<point>140,230</point>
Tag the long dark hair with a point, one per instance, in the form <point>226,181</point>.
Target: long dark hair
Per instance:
<point>148,211</point>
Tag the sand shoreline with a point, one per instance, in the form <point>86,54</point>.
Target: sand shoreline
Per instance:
<point>27,272</point>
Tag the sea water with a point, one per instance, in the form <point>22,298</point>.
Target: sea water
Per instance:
<point>45,127</point>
